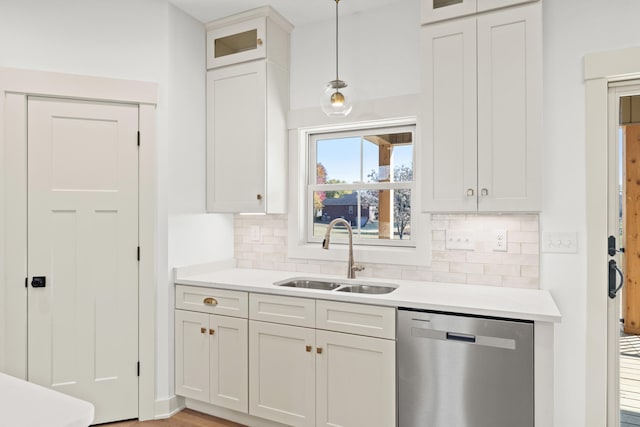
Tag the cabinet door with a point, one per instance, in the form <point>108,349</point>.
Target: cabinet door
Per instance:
<point>438,10</point>
<point>449,116</point>
<point>282,373</point>
<point>236,129</point>
<point>356,383</point>
<point>229,350</point>
<point>509,109</point>
<point>240,42</point>
<point>484,5</point>
<point>192,354</point>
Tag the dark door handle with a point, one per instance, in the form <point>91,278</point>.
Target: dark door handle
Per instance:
<point>613,271</point>
<point>38,281</point>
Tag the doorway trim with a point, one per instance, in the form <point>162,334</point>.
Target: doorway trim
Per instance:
<point>15,86</point>
<point>599,70</point>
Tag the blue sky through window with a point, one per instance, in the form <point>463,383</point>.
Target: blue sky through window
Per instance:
<point>341,158</point>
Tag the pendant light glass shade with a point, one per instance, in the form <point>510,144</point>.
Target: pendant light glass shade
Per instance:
<point>335,100</point>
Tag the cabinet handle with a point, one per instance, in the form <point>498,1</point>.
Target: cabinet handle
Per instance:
<point>484,192</point>
<point>210,301</point>
<point>203,330</point>
<point>319,350</point>
<point>259,41</point>
<point>211,332</point>
<point>259,196</point>
<point>470,192</point>
<point>308,349</point>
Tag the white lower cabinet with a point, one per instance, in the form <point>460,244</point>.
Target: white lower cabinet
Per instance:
<point>212,357</point>
<point>282,366</point>
<point>297,361</point>
<point>306,377</point>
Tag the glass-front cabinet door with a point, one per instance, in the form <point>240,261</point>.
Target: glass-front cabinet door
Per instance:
<point>439,10</point>
<point>232,44</point>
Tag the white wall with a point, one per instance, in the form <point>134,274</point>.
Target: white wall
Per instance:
<point>194,236</point>
<point>147,40</point>
<point>573,28</point>
<point>379,55</point>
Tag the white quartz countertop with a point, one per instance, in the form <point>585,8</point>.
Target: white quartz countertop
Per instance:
<point>24,404</point>
<point>525,304</point>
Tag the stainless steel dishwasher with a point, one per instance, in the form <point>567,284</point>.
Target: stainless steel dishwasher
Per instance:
<point>464,371</point>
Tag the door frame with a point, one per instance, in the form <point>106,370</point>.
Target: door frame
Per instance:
<point>600,69</point>
<point>15,86</point>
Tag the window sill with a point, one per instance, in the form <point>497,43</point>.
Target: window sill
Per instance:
<point>418,256</point>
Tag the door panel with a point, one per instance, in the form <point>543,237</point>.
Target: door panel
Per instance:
<point>83,237</point>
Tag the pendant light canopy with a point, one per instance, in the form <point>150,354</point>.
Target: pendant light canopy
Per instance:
<point>335,101</point>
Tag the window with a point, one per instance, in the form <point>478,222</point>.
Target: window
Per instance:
<point>365,173</point>
<point>365,177</point>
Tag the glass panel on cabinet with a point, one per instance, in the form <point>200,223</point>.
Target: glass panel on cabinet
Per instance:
<point>444,3</point>
<point>236,43</point>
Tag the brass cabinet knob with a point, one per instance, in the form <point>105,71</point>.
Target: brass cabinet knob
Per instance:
<point>259,196</point>
<point>308,349</point>
<point>211,332</point>
<point>259,41</point>
<point>203,330</point>
<point>319,350</point>
<point>210,301</point>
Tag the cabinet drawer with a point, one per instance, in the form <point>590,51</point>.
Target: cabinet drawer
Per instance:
<point>371,320</point>
<point>218,301</point>
<point>280,309</point>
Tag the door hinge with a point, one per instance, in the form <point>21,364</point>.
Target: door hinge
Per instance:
<point>26,281</point>
<point>138,138</point>
<point>138,368</point>
<point>138,253</point>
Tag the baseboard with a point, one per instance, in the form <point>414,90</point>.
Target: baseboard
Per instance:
<point>229,415</point>
<point>168,407</point>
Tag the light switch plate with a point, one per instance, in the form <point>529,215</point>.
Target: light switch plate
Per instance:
<point>459,239</point>
<point>560,242</point>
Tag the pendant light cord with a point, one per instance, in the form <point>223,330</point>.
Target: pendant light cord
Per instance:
<point>337,1</point>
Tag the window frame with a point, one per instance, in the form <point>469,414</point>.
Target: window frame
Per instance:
<point>360,132</point>
<point>298,247</point>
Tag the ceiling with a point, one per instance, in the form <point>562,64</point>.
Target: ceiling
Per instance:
<point>298,12</point>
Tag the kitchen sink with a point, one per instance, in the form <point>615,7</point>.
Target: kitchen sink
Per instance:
<point>309,284</point>
<point>367,289</point>
<point>330,285</point>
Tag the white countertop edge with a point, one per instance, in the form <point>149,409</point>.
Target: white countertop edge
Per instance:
<point>515,303</point>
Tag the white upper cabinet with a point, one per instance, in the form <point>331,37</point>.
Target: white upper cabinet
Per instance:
<point>482,112</point>
<point>440,10</point>
<point>247,107</point>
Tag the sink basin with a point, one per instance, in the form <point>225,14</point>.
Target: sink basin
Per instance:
<point>367,289</point>
<point>329,285</point>
<point>309,284</point>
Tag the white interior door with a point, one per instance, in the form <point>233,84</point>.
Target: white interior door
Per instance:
<point>83,239</point>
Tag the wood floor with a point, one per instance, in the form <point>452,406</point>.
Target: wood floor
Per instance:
<point>186,418</point>
<point>629,380</point>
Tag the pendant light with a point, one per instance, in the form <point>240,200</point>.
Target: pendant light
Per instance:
<point>334,101</point>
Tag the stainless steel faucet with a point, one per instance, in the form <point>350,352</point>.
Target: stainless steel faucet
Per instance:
<point>352,267</point>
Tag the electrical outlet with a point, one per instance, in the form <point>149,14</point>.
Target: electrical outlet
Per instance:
<point>255,233</point>
<point>459,239</point>
<point>500,240</point>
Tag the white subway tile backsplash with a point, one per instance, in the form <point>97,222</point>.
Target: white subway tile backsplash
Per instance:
<point>518,267</point>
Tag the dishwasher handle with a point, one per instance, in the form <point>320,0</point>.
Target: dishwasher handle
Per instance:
<point>454,336</point>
